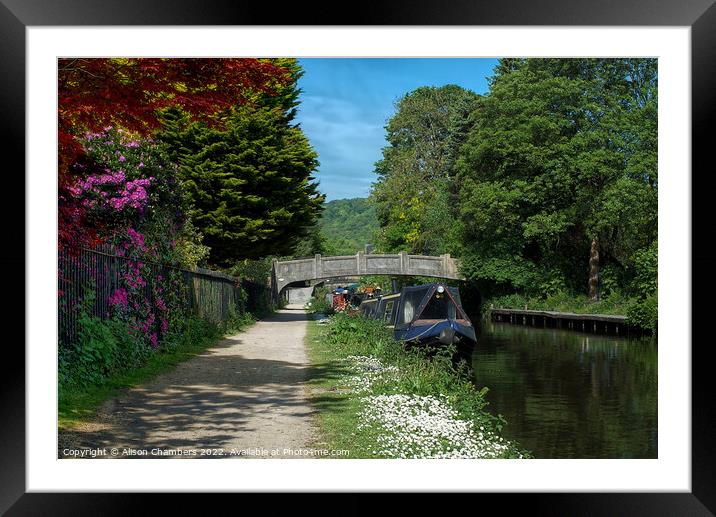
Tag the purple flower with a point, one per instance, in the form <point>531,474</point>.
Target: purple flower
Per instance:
<point>119,297</point>
<point>136,237</point>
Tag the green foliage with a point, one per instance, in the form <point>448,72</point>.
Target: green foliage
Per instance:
<point>646,269</point>
<point>257,271</point>
<point>415,193</point>
<point>99,350</point>
<point>497,275</point>
<point>248,176</point>
<point>102,348</point>
<point>563,301</point>
<point>190,248</point>
<point>562,151</point>
<point>609,281</point>
<point>311,243</point>
<point>552,283</point>
<point>236,321</point>
<point>187,329</point>
<point>319,304</point>
<point>644,313</point>
<point>347,225</point>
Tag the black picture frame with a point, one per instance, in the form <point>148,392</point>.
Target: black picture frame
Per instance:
<point>699,15</point>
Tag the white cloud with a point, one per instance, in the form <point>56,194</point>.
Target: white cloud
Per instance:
<point>348,143</point>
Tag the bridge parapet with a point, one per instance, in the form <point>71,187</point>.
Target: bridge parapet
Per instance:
<point>401,264</point>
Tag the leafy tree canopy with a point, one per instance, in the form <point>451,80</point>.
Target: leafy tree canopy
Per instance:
<point>562,159</point>
<point>415,191</point>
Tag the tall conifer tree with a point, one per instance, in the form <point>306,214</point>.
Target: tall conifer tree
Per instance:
<point>248,179</point>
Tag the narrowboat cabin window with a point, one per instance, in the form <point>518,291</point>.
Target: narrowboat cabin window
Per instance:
<point>410,301</point>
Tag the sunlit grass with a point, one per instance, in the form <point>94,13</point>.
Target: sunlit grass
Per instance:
<point>378,400</point>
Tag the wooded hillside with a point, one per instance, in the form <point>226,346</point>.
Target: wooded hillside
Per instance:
<point>347,225</point>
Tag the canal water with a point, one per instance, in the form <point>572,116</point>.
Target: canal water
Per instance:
<point>567,394</point>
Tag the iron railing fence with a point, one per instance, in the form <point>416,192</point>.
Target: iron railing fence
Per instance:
<point>89,277</point>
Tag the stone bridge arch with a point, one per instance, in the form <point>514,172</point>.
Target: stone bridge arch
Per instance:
<point>286,272</point>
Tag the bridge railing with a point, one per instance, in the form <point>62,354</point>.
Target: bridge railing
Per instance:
<point>286,272</point>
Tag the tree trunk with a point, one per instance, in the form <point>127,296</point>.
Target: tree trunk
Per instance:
<point>594,271</point>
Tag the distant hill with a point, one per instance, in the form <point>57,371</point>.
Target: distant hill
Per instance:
<point>348,225</point>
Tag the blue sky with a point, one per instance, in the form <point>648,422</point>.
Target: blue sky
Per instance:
<point>346,102</point>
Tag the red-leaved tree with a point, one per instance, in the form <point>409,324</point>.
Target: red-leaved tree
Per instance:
<point>94,93</point>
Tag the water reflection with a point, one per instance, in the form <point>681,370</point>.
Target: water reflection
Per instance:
<point>567,394</point>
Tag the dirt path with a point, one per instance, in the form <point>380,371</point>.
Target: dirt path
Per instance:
<point>246,394</point>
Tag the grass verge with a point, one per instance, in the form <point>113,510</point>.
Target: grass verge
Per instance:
<point>78,404</point>
<point>377,399</point>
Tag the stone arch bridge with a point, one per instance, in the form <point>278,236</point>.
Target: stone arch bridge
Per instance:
<point>291,271</point>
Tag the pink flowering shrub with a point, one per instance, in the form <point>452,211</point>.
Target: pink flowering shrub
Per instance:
<point>128,191</point>
<point>119,299</point>
<point>124,200</point>
<point>150,296</point>
<point>123,181</point>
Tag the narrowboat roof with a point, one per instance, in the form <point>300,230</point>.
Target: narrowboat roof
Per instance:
<point>383,297</point>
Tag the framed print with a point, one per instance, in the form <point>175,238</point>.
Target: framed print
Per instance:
<point>342,95</point>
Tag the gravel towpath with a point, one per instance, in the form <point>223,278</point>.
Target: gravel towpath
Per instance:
<point>245,396</point>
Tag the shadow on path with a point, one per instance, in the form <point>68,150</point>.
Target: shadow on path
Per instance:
<point>247,391</point>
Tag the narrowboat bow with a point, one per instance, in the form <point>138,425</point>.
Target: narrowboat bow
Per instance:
<point>429,314</point>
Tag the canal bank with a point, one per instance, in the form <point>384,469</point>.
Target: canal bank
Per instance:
<point>570,394</point>
<point>378,400</point>
<point>596,323</point>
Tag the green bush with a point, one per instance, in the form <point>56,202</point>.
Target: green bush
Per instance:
<point>509,301</point>
<point>552,284</point>
<point>644,313</point>
<point>102,348</point>
<point>319,304</point>
<point>610,279</point>
<point>560,301</point>
<point>189,329</point>
<point>107,346</point>
<point>646,263</point>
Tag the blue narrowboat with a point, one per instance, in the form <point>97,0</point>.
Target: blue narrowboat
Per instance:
<point>429,314</point>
